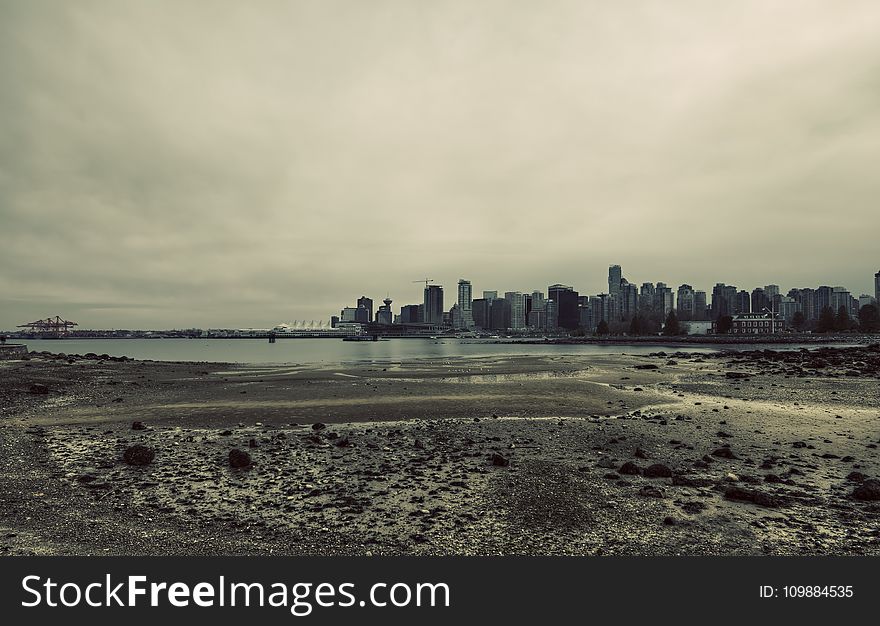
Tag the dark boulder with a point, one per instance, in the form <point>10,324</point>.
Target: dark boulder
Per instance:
<point>39,389</point>
<point>658,470</point>
<point>138,455</point>
<point>239,458</point>
<point>499,460</point>
<point>869,490</point>
<point>630,468</point>
<point>724,453</point>
<point>138,426</point>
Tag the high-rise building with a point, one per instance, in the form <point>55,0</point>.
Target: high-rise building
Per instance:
<point>517,309</point>
<point>367,304</point>
<point>383,314</point>
<point>865,300</point>
<point>615,276</point>
<point>840,297</point>
<point>615,279</point>
<point>412,314</point>
<point>823,299</point>
<point>566,300</point>
<point>760,301</point>
<point>601,305</point>
<point>664,300</point>
<point>742,303</point>
<point>481,313</point>
<point>499,314</point>
<point>551,312</point>
<point>490,295</point>
<point>723,300</point>
<point>646,298</point>
<point>433,304</point>
<point>788,306</point>
<point>685,299</point>
<point>701,309</point>
<point>772,291</point>
<point>465,303</point>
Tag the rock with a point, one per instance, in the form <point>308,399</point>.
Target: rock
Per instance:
<point>138,455</point>
<point>630,468</point>
<point>318,426</point>
<point>736,375</point>
<point>138,426</point>
<point>499,460</point>
<point>869,490</point>
<point>239,458</point>
<point>419,445</point>
<point>607,463</point>
<point>648,366</point>
<point>856,477</point>
<point>651,492</point>
<point>39,389</point>
<point>343,442</point>
<point>640,454</point>
<point>799,444</point>
<point>252,443</point>
<point>724,453</point>
<point>658,470</point>
<point>750,495</point>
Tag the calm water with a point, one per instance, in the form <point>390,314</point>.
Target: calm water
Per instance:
<point>336,350</point>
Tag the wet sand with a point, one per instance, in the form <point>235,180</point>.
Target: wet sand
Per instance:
<point>754,453</point>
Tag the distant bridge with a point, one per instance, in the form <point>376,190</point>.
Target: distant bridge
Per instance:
<point>50,325</point>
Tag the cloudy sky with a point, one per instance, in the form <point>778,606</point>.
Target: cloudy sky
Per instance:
<point>184,163</point>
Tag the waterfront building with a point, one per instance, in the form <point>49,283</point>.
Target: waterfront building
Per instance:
<point>685,301</point>
<point>700,306</point>
<point>383,314</point>
<point>433,304</point>
<point>412,314</point>
<point>566,300</point>
<point>465,303</point>
<point>499,314</point>
<point>367,304</point>
<point>760,323</point>
<point>517,310</point>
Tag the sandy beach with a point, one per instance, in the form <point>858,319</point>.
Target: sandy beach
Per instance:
<point>765,452</point>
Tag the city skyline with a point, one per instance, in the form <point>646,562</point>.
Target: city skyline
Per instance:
<point>162,168</point>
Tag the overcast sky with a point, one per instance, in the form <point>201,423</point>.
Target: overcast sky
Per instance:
<point>239,164</point>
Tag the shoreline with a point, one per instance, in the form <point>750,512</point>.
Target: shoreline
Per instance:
<point>753,452</point>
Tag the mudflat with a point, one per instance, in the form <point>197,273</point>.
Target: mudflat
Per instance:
<point>763,452</point>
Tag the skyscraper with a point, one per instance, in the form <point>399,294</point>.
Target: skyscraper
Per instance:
<point>685,301</point>
<point>383,314</point>
<point>663,299</point>
<point>465,303</point>
<point>700,307</point>
<point>481,313</point>
<point>615,275</point>
<point>367,304</point>
<point>517,309</point>
<point>877,287</point>
<point>499,314</point>
<point>434,304</point>
<point>566,300</point>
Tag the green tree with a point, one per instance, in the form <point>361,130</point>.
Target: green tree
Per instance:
<point>869,318</point>
<point>671,328</point>
<point>723,324</point>
<point>826,320</point>
<point>798,320</point>
<point>841,320</point>
<point>602,328</point>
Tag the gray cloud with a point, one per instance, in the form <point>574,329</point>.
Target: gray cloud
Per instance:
<point>240,164</point>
